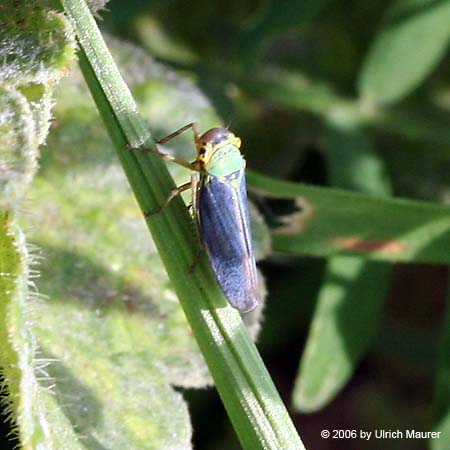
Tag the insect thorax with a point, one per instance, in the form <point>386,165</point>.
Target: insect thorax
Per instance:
<point>224,161</point>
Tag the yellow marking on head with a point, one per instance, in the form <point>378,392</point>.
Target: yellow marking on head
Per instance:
<point>211,141</point>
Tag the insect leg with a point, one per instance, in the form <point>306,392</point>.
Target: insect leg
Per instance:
<point>173,193</point>
<point>169,157</point>
<point>166,156</point>
<point>192,125</point>
<point>196,186</point>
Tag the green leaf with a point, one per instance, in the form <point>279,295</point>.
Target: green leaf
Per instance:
<point>353,291</point>
<point>18,147</point>
<point>331,221</point>
<point>252,402</point>
<point>344,323</point>
<point>76,379</point>
<point>442,387</point>
<point>30,403</point>
<point>36,44</point>
<point>413,40</point>
<point>36,49</point>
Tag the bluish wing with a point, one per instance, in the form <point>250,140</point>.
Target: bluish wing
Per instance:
<point>225,231</point>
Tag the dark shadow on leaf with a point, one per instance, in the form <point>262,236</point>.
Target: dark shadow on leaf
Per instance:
<point>75,400</point>
<point>76,278</point>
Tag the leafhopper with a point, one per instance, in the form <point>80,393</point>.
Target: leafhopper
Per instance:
<point>220,205</point>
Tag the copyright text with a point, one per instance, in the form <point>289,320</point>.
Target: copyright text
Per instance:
<point>380,434</point>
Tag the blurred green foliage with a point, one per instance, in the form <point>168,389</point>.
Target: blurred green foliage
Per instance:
<point>286,76</point>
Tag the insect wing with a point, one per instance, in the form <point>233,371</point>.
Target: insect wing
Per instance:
<point>224,225</point>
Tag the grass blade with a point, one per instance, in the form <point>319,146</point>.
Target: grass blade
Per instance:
<point>254,406</point>
<point>332,221</point>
